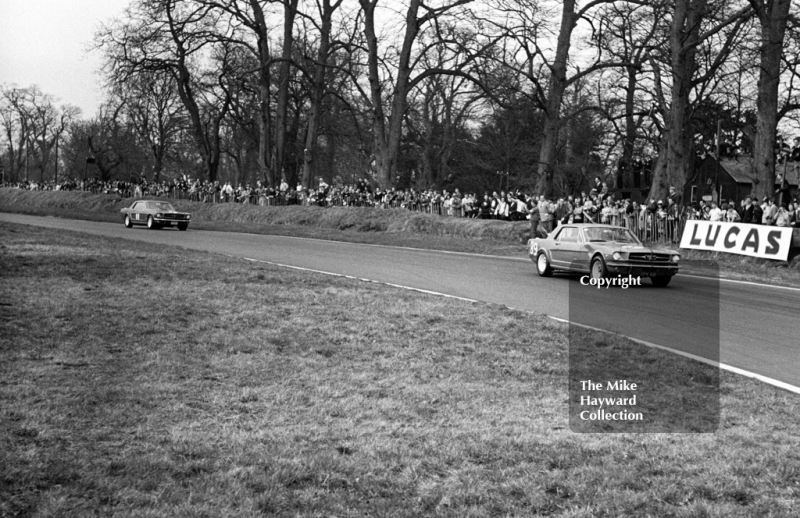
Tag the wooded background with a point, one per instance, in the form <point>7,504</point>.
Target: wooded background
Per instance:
<point>536,95</point>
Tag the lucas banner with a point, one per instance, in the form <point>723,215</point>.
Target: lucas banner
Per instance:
<point>738,238</point>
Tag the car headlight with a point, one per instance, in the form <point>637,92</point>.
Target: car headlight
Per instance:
<point>159,215</point>
<point>188,216</point>
<point>676,258</point>
<point>617,256</point>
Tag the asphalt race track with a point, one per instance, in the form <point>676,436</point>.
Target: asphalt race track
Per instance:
<point>756,324</point>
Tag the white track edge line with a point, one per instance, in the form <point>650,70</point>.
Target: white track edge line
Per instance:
<point>735,281</point>
<point>410,288</point>
<point>722,366</point>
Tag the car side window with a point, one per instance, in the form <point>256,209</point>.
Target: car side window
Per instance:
<point>568,235</point>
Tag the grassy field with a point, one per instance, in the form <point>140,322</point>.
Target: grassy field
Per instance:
<point>142,381</point>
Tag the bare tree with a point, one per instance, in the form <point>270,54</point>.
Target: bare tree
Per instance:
<point>548,72</point>
<point>318,86</point>
<point>180,38</point>
<point>154,110</point>
<point>628,32</point>
<point>772,18</point>
<point>694,23</point>
<point>15,119</point>
<point>105,137</point>
<point>32,127</point>
<point>387,129</point>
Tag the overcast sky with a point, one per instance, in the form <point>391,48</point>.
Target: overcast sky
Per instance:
<point>44,42</point>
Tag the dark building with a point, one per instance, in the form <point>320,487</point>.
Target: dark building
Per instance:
<point>735,179</point>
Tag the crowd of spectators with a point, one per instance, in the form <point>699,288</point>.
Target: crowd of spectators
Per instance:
<point>656,220</point>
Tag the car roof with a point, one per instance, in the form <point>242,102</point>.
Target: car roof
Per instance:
<point>584,225</point>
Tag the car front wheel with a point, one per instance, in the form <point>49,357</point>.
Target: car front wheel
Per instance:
<point>661,282</point>
<point>598,270</point>
<point>543,265</point>
<point>151,224</point>
<point>183,226</point>
<point>128,222</point>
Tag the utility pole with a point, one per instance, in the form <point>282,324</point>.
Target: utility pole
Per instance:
<point>26,161</point>
<point>783,180</point>
<point>716,195</point>
<point>55,177</point>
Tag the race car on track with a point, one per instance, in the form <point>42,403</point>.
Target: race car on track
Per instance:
<point>155,214</point>
<point>601,251</point>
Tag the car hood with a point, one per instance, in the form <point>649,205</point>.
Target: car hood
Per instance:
<point>622,247</point>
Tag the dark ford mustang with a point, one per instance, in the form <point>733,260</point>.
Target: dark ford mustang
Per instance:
<point>601,251</point>
<point>155,214</point>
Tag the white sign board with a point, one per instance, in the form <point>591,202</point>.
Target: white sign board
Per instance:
<point>738,238</point>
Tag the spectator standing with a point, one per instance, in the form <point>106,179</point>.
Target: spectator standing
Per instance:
<point>715,214</point>
<point>731,216</point>
<point>545,215</point>
<point>563,211</point>
<point>783,218</point>
<point>675,196</point>
<point>770,211</point>
<point>577,215</point>
<point>534,217</point>
<point>486,207</point>
<point>455,204</point>
<point>501,209</point>
<point>758,213</point>
<point>747,210</point>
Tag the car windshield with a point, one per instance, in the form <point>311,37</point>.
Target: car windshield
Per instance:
<point>162,205</point>
<point>609,234</point>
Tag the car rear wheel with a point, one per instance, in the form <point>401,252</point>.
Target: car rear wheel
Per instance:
<point>598,270</point>
<point>543,265</point>
<point>128,222</point>
<point>151,224</point>
<point>183,226</point>
<point>661,282</point>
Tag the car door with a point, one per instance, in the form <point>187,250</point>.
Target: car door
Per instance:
<point>562,244</point>
<point>570,246</point>
<point>134,212</point>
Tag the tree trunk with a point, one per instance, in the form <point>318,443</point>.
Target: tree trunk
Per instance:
<point>290,10</point>
<point>675,157</point>
<point>264,127</point>
<point>630,129</point>
<point>555,95</point>
<point>772,15</point>
<point>317,93</point>
<point>158,162</point>
<point>428,172</point>
<point>387,134</point>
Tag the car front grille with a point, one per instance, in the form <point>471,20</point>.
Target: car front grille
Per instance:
<point>649,257</point>
<point>174,216</point>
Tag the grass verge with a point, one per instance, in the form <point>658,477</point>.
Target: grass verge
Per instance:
<point>137,380</point>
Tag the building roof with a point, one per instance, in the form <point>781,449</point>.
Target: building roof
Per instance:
<point>741,170</point>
